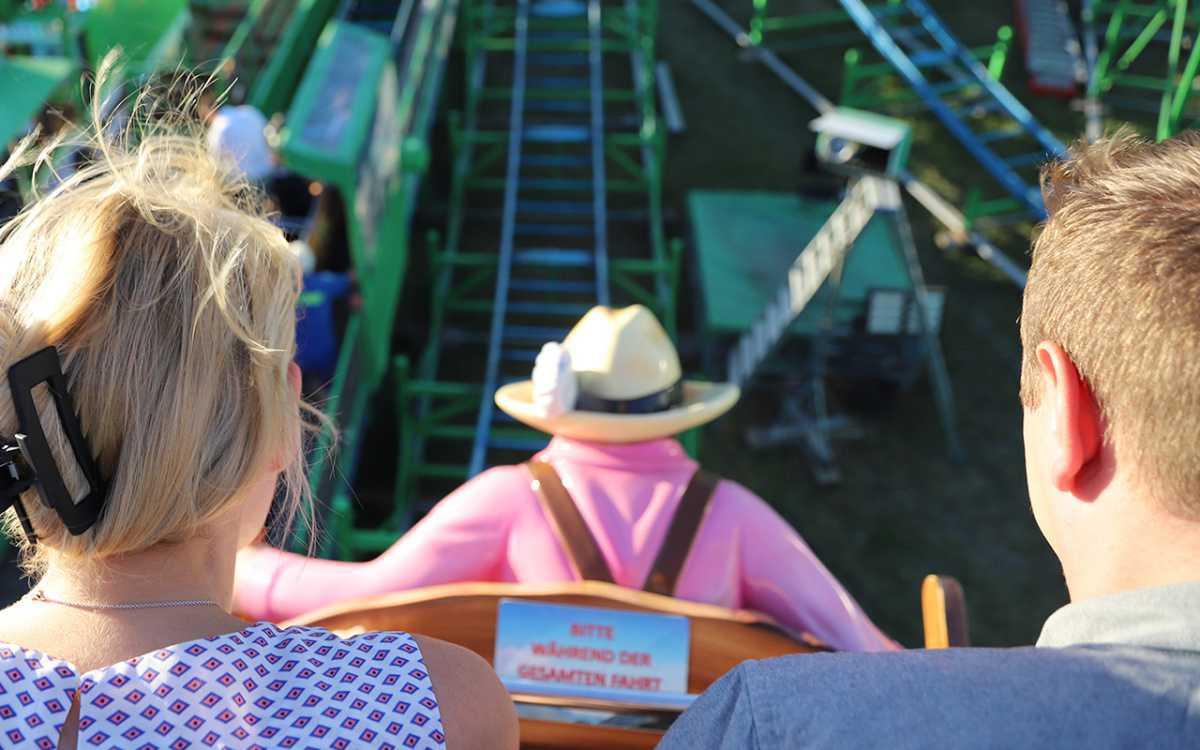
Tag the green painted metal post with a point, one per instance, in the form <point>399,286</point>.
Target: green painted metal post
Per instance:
<point>999,56</point>
<point>1165,106</point>
<point>1143,39</point>
<point>1184,87</point>
<point>1099,81</point>
<point>850,67</point>
<point>758,22</point>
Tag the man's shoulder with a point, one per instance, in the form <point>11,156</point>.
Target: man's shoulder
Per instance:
<point>1095,696</point>
<point>987,672</point>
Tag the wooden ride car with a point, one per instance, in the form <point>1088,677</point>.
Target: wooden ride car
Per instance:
<point>466,614</point>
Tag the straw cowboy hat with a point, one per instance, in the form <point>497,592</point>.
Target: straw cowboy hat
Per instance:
<point>615,379</point>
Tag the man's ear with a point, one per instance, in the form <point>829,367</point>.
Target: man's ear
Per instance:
<point>1072,416</point>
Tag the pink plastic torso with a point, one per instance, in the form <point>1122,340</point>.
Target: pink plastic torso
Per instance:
<point>494,529</point>
<point>627,494</point>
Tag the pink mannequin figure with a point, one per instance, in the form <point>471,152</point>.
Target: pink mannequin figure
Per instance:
<point>611,394</point>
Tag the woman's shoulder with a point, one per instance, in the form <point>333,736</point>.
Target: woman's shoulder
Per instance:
<point>292,685</point>
<point>435,682</point>
<point>376,660</point>
<point>289,685</point>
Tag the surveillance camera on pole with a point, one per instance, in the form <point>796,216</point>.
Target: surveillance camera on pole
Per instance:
<point>858,143</point>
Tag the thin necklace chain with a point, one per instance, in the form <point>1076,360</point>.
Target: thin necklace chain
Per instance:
<point>40,596</point>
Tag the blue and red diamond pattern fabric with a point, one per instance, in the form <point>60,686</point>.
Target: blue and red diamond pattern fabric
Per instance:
<point>261,687</point>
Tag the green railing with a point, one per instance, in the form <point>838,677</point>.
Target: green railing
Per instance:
<point>268,53</point>
<point>359,124</point>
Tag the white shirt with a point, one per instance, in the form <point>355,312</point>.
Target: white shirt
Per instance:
<point>237,134</point>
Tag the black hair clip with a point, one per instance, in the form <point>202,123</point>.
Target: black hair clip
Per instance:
<point>26,460</point>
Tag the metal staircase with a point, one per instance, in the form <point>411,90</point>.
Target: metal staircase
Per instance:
<point>255,39</point>
<point>819,264</point>
<point>957,89</point>
<point>213,23</point>
<point>272,46</point>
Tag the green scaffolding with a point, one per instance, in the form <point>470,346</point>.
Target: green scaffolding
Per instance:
<point>1146,60</point>
<point>264,59</point>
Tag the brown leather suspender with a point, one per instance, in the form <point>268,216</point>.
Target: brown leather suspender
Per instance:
<point>678,542</point>
<point>581,546</point>
<point>579,543</point>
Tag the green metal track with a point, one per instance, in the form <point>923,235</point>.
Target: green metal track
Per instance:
<point>441,394</point>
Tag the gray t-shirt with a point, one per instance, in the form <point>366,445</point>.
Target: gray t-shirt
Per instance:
<point>1116,672</point>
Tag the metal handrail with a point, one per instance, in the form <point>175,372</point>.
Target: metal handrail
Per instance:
<point>516,126</point>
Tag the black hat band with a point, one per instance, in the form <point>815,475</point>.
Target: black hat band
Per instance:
<point>660,401</point>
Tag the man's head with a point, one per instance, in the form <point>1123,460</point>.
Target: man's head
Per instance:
<point>1110,328</point>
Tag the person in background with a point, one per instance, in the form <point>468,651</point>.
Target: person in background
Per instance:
<point>1110,385</point>
<point>10,198</point>
<point>238,134</point>
<point>614,497</point>
<point>316,329</point>
<point>148,412</point>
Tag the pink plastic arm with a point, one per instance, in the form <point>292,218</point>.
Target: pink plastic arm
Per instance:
<point>746,555</point>
<point>464,538</point>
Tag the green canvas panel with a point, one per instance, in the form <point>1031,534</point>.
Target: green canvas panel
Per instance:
<point>138,27</point>
<point>746,241</point>
<point>334,107</point>
<point>26,84</point>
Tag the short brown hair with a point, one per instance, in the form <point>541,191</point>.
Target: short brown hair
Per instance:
<point>1115,281</point>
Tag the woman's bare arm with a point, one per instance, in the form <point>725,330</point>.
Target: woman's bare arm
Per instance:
<point>477,713</point>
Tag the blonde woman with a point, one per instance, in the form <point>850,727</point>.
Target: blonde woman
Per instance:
<point>168,302</point>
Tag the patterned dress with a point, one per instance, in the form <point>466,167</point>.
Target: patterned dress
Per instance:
<point>261,687</point>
